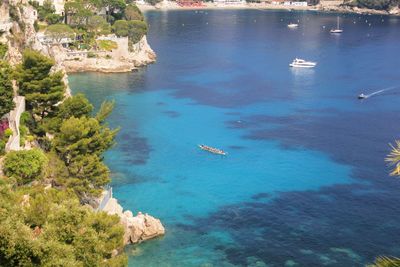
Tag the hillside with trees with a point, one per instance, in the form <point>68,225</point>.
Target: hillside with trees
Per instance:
<point>44,219</point>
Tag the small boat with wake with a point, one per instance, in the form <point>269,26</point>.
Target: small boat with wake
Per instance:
<point>362,96</point>
<point>293,25</point>
<point>213,150</point>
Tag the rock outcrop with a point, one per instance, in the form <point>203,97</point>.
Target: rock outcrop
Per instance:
<point>122,59</point>
<point>137,228</point>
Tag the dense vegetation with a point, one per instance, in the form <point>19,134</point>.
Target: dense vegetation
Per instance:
<point>374,4</point>
<point>6,89</point>
<point>41,88</point>
<point>50,226</point>
<point>84,17</point>
<point>25,166</point>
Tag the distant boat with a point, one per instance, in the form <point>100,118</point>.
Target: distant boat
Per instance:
<point>337,30</point>
<point>293,25</point>
<point>362,96</point>
<point>301,63</point>
<point>213,150</point>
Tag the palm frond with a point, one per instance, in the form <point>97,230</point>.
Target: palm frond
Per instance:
<point>393,158</point>
<point>385,261</point>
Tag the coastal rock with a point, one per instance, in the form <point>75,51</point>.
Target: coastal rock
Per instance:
<point>394,11</point>
<point>140,227</point>
<point>121,59</point>
<point>137,228</point>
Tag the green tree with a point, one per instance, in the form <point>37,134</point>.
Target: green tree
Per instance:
<point>80,145</point>
<point>78,12</point>
<point>115,7</point>
<point>57,32</point>
<point>132,12</point>
<point>6,89</point>
<point>105,110</point>
<point>44,10</point>
<point>121,28</point>
<point>82,136</point>
<point>137,29</point>
<point>134,29</point>
<point>25,165</point>
<point>98,25</point>
<point>53,19</point>
<point>42,89</point>
<point>87,175</point>
<point>75,106</point>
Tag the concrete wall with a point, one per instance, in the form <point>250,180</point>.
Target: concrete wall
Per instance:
<point>14,119</point>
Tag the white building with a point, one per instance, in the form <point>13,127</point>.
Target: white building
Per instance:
<point>290,3</point>
<point>229,2</point>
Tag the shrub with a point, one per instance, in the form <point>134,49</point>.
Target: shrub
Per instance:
<point>2,147</point>
<point>53,19</point>
<point>36,26</point>
<point>107,45</point>
<point>7,133</point>
<point>120,28</point>
<point>3,50</point>
<point>91,55</point>
<point>25,165</point>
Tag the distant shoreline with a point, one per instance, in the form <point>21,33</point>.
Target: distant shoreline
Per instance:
<point>319,8</point>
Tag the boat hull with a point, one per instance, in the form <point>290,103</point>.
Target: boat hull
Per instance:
<point>302,66</point>
<point>212,150</point>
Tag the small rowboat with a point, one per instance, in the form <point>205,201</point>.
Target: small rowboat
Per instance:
<point>213,150</point>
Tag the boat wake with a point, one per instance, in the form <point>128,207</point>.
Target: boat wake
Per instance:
<point>363,96</point>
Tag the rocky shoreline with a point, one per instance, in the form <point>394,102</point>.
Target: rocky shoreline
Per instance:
<point>324,6</point>
<point>137,228</point>
<point>121,59</point>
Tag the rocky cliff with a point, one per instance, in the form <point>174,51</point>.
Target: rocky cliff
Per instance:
<point>121,59</point>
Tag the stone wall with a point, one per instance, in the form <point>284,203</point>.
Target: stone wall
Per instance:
<point>14,120</point>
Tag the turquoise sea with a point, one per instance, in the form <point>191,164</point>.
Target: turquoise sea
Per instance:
<point>304,183</point>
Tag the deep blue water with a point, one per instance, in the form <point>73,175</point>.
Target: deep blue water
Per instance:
<point>305,182</point>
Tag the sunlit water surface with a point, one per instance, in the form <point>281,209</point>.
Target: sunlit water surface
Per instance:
<point>304,183</point>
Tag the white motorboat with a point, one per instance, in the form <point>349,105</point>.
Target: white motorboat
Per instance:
<point>362,96</point>
<point>301,63</point>
<point>337,30</point>
<point>293,25</point>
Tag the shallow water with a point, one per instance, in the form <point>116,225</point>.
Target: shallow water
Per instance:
<point>304,183</point>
